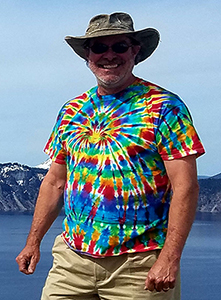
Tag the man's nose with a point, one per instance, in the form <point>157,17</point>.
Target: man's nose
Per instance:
<point>110,54</point>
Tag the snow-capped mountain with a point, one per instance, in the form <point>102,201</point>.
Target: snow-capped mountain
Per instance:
<point>19,185</point>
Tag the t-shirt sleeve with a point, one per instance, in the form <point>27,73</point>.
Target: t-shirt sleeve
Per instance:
<point>54,147</point>
<point>176,136</point>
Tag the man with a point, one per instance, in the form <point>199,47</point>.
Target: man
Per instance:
<point>117,150</point>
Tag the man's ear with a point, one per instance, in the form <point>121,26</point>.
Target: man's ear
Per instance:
<point>136,49</point>
<point>86,53</point>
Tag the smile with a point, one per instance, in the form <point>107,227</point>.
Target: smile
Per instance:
<point>113,66</point>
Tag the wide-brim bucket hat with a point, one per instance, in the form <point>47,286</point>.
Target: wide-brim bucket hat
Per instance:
<point>116,24</point>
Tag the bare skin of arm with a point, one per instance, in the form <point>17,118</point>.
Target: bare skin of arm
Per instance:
<point>48,207</point>
<point>183,177</point>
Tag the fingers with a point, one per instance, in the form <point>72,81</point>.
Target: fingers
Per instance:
<point>162,275</point>
<point>168,285</point>
<point>159,284</point>
<point>149,285</point>
<point>27,261</point>
<point>32,265</point>
<point>23,264</point>
<point>26,266</point>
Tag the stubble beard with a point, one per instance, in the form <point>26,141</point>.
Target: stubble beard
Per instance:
<point>111,80</point>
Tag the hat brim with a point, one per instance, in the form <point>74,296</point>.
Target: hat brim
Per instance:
<point>148,38</point>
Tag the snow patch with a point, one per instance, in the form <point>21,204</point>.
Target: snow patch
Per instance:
<point>45,165</point>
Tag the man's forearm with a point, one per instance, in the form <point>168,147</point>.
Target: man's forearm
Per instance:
<point>48,207</point>
<point>181,216</point>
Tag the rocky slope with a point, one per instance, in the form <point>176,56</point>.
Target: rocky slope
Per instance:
<point>210,194</point>
<point>19,186</point>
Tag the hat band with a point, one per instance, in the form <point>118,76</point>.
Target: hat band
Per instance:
<point>107,31</point>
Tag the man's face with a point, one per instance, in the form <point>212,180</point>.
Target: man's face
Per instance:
<point>112,70</point>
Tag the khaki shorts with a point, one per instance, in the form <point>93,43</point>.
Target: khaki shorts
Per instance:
<point>81,277</point>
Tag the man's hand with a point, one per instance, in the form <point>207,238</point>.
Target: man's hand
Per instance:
<point>162,275</point>
<point>28,259</point>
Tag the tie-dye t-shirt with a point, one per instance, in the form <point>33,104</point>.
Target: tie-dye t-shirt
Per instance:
<point>117,194</point>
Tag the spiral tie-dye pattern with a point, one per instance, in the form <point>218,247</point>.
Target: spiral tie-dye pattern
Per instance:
<point>117,194</point>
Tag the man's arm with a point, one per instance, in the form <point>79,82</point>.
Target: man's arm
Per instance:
<point>48,206</point>
<point>183,177</point>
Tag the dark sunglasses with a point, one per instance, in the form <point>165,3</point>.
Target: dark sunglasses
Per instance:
<point>120,47</point>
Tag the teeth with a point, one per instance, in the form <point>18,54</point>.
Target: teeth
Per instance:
<point>110,66</point>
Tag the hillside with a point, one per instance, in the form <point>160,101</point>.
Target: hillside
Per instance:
<point>19,185</point>
<point>210,194</point>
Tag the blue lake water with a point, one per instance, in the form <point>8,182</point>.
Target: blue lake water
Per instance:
<point>200,267</point>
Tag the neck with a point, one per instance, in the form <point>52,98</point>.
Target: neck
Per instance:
<point>105,89</point>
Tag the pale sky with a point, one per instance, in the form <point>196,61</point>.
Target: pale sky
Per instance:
<point>39,72</point>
